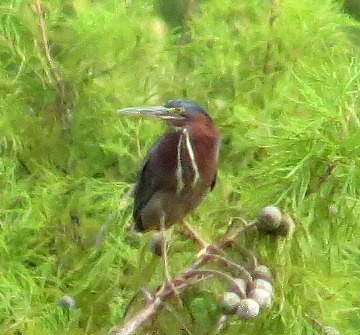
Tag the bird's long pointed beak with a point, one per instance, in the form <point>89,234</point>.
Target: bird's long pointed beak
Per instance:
<point>160,112</point>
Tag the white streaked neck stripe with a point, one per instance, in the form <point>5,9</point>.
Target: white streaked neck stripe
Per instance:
<point>179,173</point>
<point>191,153</point>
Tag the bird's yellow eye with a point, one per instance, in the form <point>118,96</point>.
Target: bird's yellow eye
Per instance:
<point>181,111</point>
<point>177,111</point>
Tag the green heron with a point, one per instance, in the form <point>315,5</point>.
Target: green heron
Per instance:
<point>180,168</point>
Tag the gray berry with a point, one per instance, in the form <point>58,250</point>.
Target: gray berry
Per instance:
<point>248,309</point>
<point>264,285</point>
<point>67,302</point>
<point>333,210</point>
<point>262,272</point>
<point>229,302</point>
<point>241,286</point>
<point>261,296</point>
<point>327,330</point>
<point>269,219</point>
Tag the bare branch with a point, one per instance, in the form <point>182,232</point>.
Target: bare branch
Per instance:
<point>54,72</point>
<point>220,324</point>
<point>191,276</point>
<point>39,12</point>
<point>136,321</point>
<point>237,267</point>
<point>273,16</point>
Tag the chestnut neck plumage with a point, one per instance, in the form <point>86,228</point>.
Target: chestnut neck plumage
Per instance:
<point>197,151</point>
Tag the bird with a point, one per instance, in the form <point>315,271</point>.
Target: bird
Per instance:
<point>179,169</point>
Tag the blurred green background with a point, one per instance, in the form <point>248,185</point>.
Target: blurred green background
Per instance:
<point>281,80</point>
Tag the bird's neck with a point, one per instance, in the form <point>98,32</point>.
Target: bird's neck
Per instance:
<point>204,141</point>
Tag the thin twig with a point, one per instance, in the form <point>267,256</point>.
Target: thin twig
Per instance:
<point>55,73</point>
<point>232,222</point>
<point>229,239</point>
<point>272,18</point>
<point>329,169</point>
<point>190,276</point>
<point>223,275</point>
<point>135,322</point>
<point>22,163</point>
<point>220,324</point>
<point>323,178</point>
<point>44,38</point>
<point>150,310</point>
<point>235,266</point>
<point>171,310</point>
<point>248,254</point>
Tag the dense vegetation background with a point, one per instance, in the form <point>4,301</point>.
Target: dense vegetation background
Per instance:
<point>280,78</point>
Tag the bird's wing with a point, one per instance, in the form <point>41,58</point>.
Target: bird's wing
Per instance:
<point>153,175</point>
<point>143,191</point>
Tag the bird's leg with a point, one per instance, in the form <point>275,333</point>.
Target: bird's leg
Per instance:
<point>167,277</point>
<point>164,249</point>
<point>196,237</point>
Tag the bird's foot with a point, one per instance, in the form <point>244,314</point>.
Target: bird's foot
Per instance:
<point>168,282</point>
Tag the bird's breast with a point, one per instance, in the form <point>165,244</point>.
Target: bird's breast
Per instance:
<point>197,158</point>
<point>180,170</point>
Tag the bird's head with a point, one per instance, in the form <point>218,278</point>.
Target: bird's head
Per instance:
<point>176,112</point>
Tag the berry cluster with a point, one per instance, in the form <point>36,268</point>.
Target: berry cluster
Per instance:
<point>250,284</point>
<point>272,221</point>
<point>245,297</point>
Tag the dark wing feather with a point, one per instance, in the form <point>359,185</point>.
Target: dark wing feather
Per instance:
<point>144,189</point>
<point>155,174</point>
<point>213,183</point>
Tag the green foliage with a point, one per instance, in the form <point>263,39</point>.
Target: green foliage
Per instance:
<point>285,96</point>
